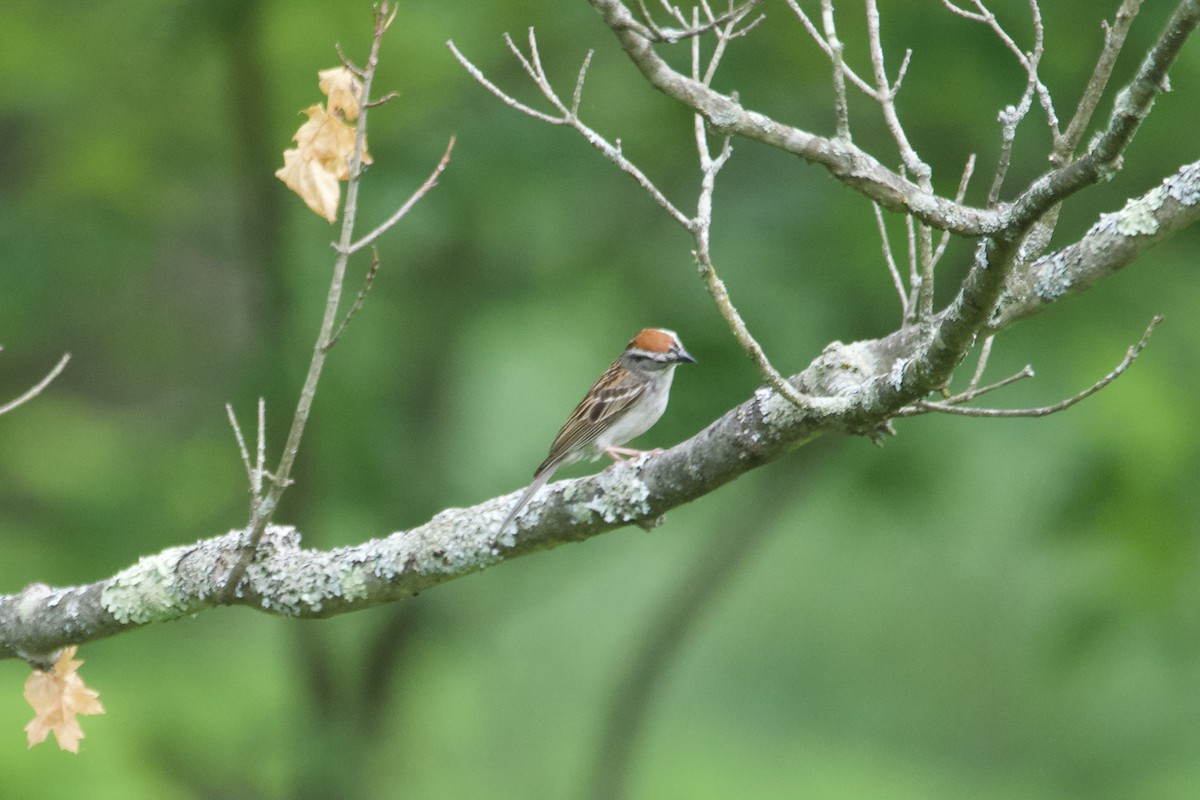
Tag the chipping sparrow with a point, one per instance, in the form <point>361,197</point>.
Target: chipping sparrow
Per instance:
<point>625,403</point>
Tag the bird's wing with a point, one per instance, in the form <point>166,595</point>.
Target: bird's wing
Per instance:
<point>611,396</point>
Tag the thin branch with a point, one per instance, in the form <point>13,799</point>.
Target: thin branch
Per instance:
<point>37,388</point>
<point>926,260</point>
<point>963,182</point>
<point>421,191</point>
<point>985,352</point>
<point>241,442</point>
<point>256,472</point>
<point>913,163</point>
<point>506,98</point>
<point>809,26</point>
<point>922,406</point>
<point>724,34</point>
<point>1114,40</point>
<point>1028,61</point>
<point>887,102</point>
<point>701,230</point>
<point>843,160</point>
<point>577,95</point>
<point>897,281</point>
<point>260,461</point>
<point>263,510</point>
<point>915,278</point>
<point>1011,116</point>
<point>387,98</point>
<point>836,49</point>
<point>610,151</point>
<point>695,29</point>
<point>347,63</point>
<point>368,282</point>
<point>900,73</point>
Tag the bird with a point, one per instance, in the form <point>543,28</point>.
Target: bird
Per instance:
<point>623,404</point>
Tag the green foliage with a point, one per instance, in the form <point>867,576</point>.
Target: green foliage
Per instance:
<point>992,609</point>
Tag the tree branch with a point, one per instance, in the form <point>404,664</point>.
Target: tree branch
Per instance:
<point>851,165</point>
<point>859,387</point>
<point>951,406</point>
<point>285,579</point>
<point>1114,242</point>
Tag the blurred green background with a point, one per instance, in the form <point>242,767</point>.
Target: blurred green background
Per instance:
<point>987,609</point>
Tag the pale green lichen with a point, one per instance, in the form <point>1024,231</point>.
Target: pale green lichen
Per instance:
<point>147,591</point>
<point>292,581</point>
<point>446,545</point>
<point>1138,215</point>
<point>616,495</point>
<point>353,583</point>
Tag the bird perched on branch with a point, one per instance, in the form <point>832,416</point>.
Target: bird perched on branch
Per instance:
<point>623,404</point>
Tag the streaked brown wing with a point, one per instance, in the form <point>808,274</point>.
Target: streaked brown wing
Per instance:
<point>611,396</point>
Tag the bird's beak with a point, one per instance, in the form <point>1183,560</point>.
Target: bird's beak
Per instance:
<point>684,355</point>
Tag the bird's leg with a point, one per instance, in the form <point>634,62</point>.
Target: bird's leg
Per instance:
<point>615,453</point>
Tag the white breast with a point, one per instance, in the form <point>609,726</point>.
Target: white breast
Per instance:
<point>642,416</point>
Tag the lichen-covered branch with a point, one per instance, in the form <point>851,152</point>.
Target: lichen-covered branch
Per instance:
<point>1114,242</point>
<point>286,579</point>
<point>857,388</point>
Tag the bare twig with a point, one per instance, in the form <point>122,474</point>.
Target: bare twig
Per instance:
<point>1114,40</point>
<point>701,230</point>
<point>387,98</point>
<point>506,98</point>
<point>964,181</point>
<point>657,33</point>
<point>241,442</point>
<point>421,191</point>
<point>916,275</point>
<point>347,63</point>
<point>1011,116</point>
<point>887,100</point>
<point>260,459</point>
<point>256,472</point>
<point>1028,60</point>
<point>897,281</point>
<point>724,36</point>
<point>926,260</point>
<point>569,118</point>
<point>368,282</point>
<point>885,92</point>
<point>836,48</point>
<point>577,95</point>
<point>949,407</point>
<point>809,26</point>
<point>37,388</point>
<point>263,509</point>
<point>985,352</point>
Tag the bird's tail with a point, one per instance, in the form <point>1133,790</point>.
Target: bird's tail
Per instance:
<point>539,481</point>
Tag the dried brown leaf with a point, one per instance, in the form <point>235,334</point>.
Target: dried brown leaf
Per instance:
<point>310,179</point>
<point>57,698</point>
<point>343,89</point>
